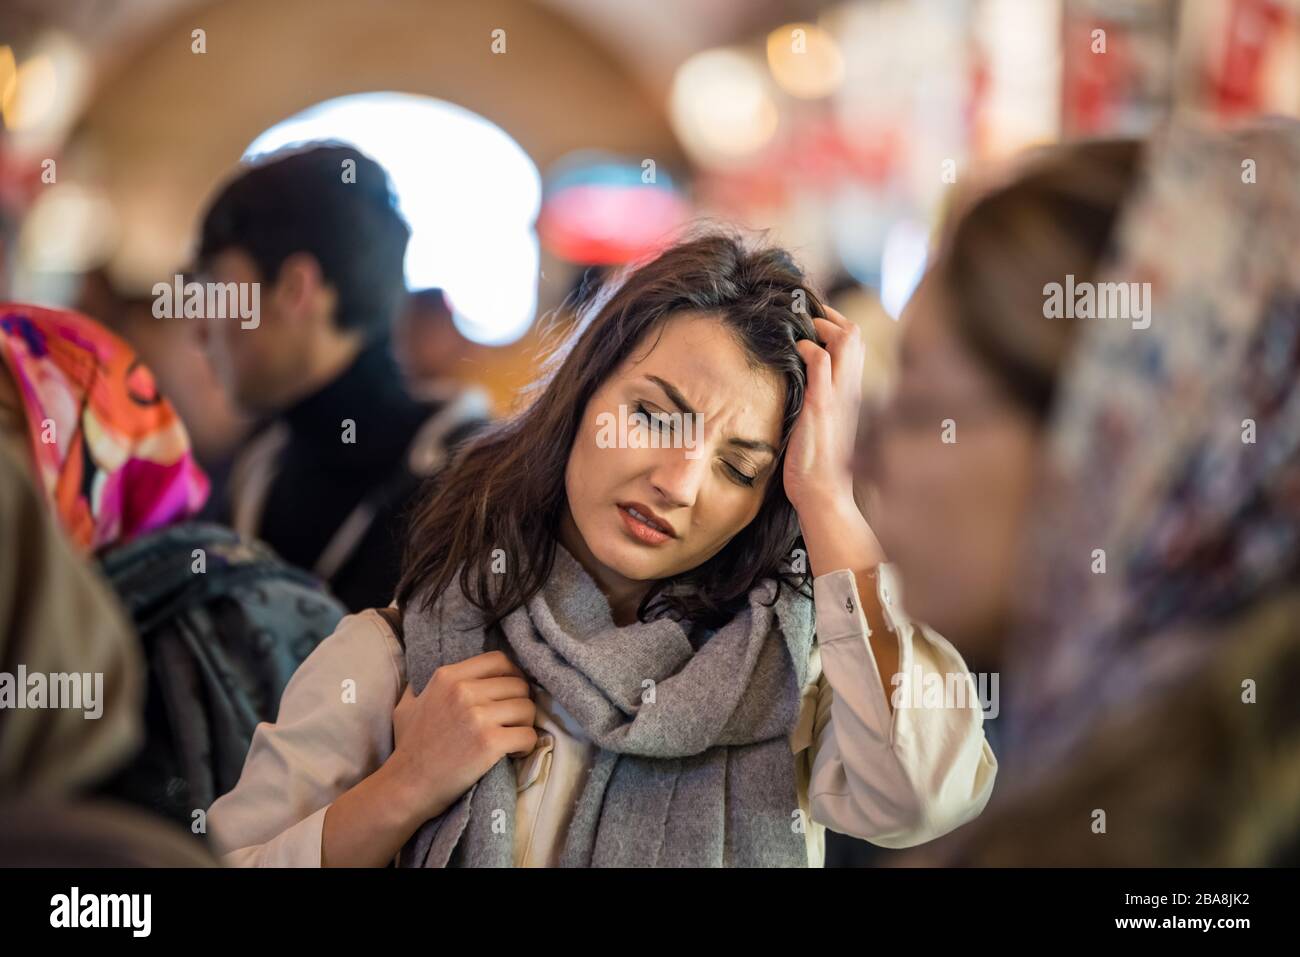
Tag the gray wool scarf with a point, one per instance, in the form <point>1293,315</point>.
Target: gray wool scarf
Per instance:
<point>697,774</point>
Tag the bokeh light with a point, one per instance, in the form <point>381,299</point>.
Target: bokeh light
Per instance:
<point>805,60</point>
<point>720,106</point>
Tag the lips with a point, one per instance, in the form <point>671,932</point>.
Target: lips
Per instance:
<point>643,513</point>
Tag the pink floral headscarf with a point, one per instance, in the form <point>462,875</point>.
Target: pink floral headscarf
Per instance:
<point>112,457</point>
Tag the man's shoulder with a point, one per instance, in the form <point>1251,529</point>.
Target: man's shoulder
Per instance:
<point>452,418</point>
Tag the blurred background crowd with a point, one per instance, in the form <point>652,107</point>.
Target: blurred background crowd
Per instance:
<point>533,146</point>
<point>600,127</point>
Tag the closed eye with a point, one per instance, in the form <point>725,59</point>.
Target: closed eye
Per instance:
<point>740,476</point>
<point>664,422</point>
<point>660,421</point>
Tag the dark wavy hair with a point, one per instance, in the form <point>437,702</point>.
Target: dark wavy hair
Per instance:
<point>505,488</point>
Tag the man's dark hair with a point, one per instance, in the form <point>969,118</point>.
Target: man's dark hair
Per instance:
<point>306,199</point>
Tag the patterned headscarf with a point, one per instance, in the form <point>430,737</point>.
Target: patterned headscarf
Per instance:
<point>1174,449</point>
<point>112,457</point>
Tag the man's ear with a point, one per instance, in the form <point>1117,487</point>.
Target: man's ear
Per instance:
<point>300,288</point>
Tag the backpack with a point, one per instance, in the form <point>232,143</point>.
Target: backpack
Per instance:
<point>224,623</point>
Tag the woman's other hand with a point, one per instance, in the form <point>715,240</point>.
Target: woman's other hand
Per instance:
<point>469,716</point>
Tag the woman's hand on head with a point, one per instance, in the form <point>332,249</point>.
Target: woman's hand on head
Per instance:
<point>469,716</point>
<point>818,457</point>
<point>819,477</point>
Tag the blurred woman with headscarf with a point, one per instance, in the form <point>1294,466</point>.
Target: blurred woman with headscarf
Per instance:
<point>107,451</point>
<point>1108,509</point>
<point>90,456</point>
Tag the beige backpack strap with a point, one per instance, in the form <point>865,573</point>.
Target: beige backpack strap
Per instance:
<point>251,478</point>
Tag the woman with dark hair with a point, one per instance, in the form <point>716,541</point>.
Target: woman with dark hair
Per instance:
<point>606,652</point>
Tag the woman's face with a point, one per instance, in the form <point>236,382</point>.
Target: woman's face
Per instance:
<point>701,492</point>
<point>953,500</point>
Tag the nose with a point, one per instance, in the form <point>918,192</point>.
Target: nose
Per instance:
<point>677,478</point>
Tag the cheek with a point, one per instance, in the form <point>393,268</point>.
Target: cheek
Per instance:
<point>590,470</point>
<point>951,522</point>
<point>719,514</point>
<point>243,345</point>
<point>217,342</point>
<point>574,488</point>
<point>918,493</point>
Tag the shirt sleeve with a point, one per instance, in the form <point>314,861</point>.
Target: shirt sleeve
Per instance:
<point>334,728</point>
<point>900,779</point>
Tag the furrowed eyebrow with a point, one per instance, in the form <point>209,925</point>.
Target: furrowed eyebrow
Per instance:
<point>675,396</point>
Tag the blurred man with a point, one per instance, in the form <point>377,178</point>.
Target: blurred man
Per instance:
<point>344,443</point>
<point>429,346</point>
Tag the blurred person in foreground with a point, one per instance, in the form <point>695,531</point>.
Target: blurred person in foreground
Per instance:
<point>57,618</point>
<point>1117,523</point>
<point>344,444</point>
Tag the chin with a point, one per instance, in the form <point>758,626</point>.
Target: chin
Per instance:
<point>634,562</point>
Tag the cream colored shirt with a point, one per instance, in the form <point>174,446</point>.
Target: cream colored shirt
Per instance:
<point>895,780</point>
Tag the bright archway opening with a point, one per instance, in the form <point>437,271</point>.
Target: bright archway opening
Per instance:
<point>469,192</point>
